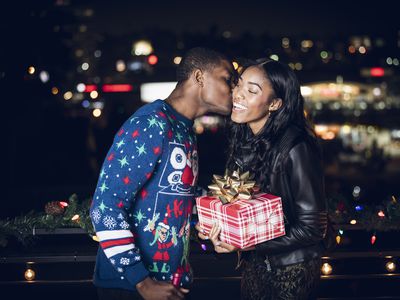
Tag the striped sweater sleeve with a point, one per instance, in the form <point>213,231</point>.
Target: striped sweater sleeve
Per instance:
<point>129,163</point>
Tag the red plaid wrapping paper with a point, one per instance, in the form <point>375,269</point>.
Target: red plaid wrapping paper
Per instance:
<point>244,223</point>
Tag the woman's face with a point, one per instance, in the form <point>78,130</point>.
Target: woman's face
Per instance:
<point>251,99</point>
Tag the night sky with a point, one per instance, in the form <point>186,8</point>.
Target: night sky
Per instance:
<point>314,18</point>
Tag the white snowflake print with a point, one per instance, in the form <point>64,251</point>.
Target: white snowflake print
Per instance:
<point>120,216</point>
<point>124,261</point>
<point>109,222</point>
<point>112,260</point>
<point>137,258</point>
<point>124,225</point>
<point>96,215</point>
<point>120,270</point>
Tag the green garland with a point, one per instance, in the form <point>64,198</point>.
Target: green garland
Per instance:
<point>383,217</point>
<point>76,214</point>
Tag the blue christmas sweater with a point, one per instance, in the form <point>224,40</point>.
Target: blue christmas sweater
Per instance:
<point>143,201</point>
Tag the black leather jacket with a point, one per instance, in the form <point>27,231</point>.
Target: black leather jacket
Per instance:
<point>297,177</point>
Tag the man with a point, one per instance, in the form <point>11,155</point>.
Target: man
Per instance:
<point>143,200</point>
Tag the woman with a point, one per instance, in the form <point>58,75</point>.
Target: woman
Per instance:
<point>272,139</point>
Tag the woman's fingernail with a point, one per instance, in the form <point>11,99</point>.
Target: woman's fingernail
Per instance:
<point>217,243</point>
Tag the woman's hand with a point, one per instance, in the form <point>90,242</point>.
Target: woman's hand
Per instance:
<point>201,234</point>
<point>219,246</point>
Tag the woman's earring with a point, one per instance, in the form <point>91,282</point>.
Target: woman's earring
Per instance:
<point>269,111</point>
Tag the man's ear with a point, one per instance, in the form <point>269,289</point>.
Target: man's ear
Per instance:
<point>198,77</point>
<point>276,104</point>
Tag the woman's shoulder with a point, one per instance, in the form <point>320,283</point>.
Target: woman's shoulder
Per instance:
<point>305,151</point>
<point>299,142</point>
<point>290,138</point>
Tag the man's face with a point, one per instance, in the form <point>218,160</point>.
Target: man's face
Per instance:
<point>218,86</point>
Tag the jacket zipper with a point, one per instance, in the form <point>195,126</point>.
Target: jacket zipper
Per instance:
<point>267,263</point>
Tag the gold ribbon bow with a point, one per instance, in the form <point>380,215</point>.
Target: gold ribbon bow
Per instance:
<point>231,188</point>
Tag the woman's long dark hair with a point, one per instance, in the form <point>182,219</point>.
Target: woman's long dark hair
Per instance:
<point>254,153</point>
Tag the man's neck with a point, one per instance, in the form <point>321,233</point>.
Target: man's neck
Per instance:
<point>185,104</point>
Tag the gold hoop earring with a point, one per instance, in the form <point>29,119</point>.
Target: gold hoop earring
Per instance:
<point>269,112</point>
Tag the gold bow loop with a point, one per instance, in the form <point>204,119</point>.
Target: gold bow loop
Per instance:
<point>231,188</point>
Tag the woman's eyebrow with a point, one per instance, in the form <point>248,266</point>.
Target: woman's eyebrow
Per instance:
<point>254,83</point>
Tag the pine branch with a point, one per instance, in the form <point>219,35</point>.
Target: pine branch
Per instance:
<point>75,215</point>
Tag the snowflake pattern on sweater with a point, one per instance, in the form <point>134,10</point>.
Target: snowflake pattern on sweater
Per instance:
<point>143,201</point>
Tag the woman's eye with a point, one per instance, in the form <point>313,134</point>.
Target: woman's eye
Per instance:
<point>252,92</point>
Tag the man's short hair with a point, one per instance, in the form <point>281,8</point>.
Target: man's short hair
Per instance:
<point>198,58</point>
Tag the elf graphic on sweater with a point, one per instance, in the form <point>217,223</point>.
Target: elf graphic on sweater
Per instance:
<point>161,235</point>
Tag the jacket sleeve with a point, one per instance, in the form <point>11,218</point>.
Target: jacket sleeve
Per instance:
<point>305,184</point>
<point>129,164</point>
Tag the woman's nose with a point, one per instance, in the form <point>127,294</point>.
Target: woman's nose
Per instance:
<point>237,95</point>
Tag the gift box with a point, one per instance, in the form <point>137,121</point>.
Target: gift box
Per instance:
<point>244,222</point>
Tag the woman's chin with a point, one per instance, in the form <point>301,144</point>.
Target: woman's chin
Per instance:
<point>237,119</point>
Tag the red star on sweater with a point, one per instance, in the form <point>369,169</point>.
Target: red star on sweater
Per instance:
<point>126,180</point>
<point>135,133</point>
<point>143,194</point>
<point>156,150</point>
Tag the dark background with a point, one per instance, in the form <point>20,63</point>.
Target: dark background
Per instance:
<point>54,149</point>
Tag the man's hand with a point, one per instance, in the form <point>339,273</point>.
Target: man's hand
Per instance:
<point>157,290</point>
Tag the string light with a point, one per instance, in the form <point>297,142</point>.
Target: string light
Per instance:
<point>94,94</point>
<point>373,239</point>
<point>31,70</point>
<point>353,222</point>
<point>54,90</point>
<point>359,208</point>
<point>63,203</point>
<point>29,273</point>
<point>75,217</point>
<point>204,247</point>
<point>152,59</point>
<point>326,269</point>
<point>120,65</point>
<point>142,47</point>
<point>44,76</point>
<point>68,95</point>
<point>96,112</point>
<point>390,266</point>
<point>381,214</point>
<point>338,238</point>
<point>177,60</point>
